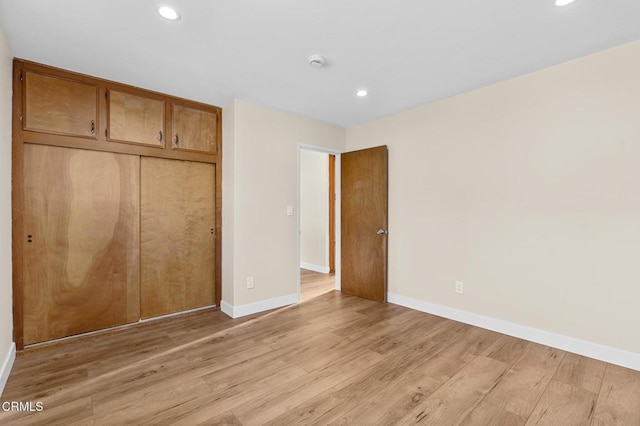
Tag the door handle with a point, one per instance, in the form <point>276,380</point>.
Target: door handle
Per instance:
<point>382,232</point>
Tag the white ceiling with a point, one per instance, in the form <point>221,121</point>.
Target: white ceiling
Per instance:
<point>405,52</point>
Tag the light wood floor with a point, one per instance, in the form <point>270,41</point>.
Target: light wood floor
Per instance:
<point>313,284</point>
<point>333,359</point>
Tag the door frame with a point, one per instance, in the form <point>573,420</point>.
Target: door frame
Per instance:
<point>313,148</point>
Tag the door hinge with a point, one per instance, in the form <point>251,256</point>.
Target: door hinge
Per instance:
<point>105,133</point>
<point>106,95</point>
<point>21,119</point>
<point>20,76</point>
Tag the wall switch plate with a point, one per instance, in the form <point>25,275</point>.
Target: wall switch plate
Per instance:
<point>289,210</point>
<point>459,287</point>
<point>249,282</point>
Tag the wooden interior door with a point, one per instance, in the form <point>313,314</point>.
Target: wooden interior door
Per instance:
<point>81,226</point>
<point>177,236</point>
<point>194,130</point>
<point>364,191</point>
<point>60,106</point>
<point>135,119</point>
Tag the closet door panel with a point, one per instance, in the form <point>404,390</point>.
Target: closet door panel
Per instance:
<point>135,119</point>
<point>81,255</point>
<point>59,106</point>
<point>177,241</point>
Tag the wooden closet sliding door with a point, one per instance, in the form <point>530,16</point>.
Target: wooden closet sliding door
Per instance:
<point>81,254</point>
<point>177,210</point>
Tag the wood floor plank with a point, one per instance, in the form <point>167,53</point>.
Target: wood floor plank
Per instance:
<point>456,354</point>
<point>391,403</point>
<point>489,414</point>
<point>146,403</point>
<point>507,349</point>
<point>315,284</point>
<point>586,373</point>
<point>276,403</point>
<point>521,388</point>
<point>453,401</point>
<point>563,404</point>
<point>619,399</point>
<point>337,401</point>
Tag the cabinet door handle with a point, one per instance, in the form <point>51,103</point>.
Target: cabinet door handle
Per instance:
<point>177,140</point>
<point>160,136</point>
<point>93,127</point>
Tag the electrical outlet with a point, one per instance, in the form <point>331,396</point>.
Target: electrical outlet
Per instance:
<point>289,210</point>
<point>249,282</point>
<point>459,287</point>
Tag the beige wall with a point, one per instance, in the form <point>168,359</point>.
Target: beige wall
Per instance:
<point>228,204</point>
<point>6,319</point>
<point>314,210</point>
<point>529,192</point>
<point>263,182</point>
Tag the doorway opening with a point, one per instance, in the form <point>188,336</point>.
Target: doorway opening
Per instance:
<point>318,222</point>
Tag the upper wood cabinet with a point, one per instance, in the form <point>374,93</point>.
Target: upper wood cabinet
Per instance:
<point>135,119</point>
<point>60,106</point>
<point>63,108</point>
<point>194,129</point>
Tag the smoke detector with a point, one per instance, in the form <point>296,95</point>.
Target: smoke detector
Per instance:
<point>317,61</point>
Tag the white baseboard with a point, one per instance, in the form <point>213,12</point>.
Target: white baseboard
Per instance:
<point>569,344</point>
<point>226,308</point>
<point>9,358</point>
<point>315,268</point>
<point>254,308</point>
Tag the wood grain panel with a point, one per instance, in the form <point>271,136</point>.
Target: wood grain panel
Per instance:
<point>194,129</point>
<point>58,105</point>
<point>363,213</point>
<point>81,251</point>
<point>135,119</point>
<point>177,236</point>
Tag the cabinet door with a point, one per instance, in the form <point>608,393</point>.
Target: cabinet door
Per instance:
<point>59,106</point>
<point>81,255</point>
<point>194,130</point>
<point>177,206</point>
<point>135,119</point>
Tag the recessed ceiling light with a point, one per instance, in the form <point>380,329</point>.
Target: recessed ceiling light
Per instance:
<point>564,2</point>
<point>362,93</point>
<point>168,13</point>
